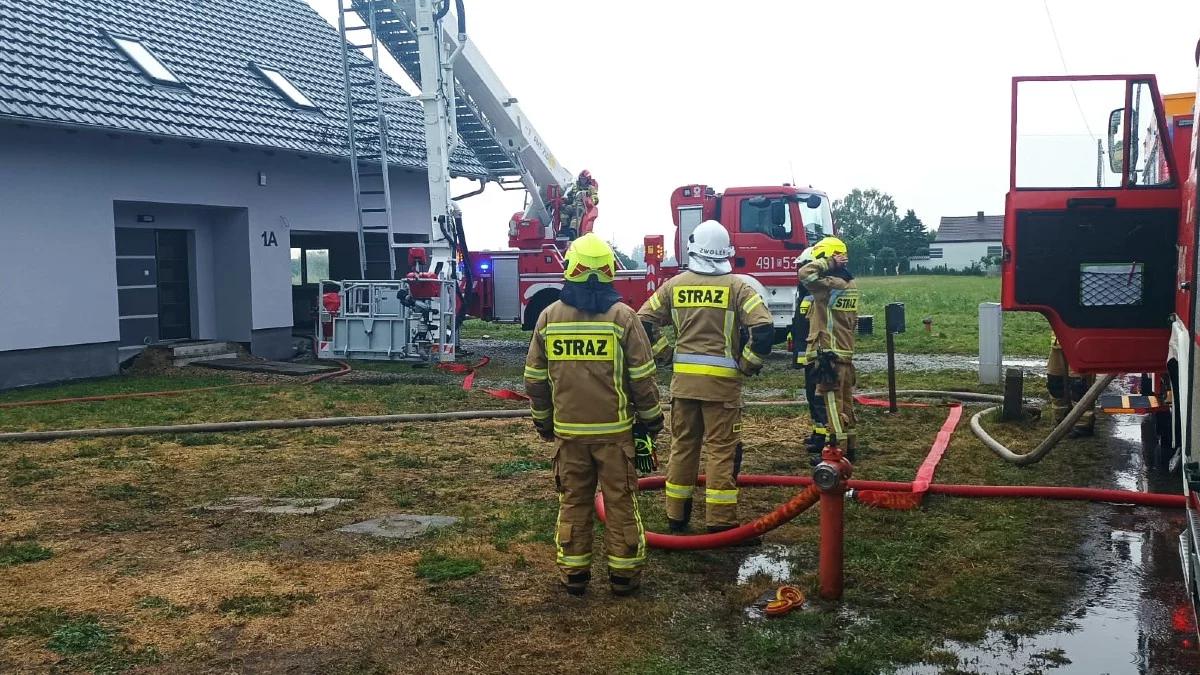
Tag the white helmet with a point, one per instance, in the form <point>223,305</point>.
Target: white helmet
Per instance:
<point>709,250</point>
<point>805,257</point>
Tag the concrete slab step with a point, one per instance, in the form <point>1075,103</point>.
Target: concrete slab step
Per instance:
<point>190,349</point>
<point>203,358</point>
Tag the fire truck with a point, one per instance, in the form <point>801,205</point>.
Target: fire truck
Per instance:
<point>1100,236</point>
<point>415,314</point>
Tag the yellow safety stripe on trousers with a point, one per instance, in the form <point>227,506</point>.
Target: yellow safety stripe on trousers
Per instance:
<point>802,359</point>
<point>818,429</point>
<point>835,418</point>
<point>813,350</point>
<point>577,327</point>
<point>536,374</point>
<point>650,414</point>
<point>619,563</point>
<point>711,371</point>
<point>584,560</point>
<point>591,429</point>
<point>712,496</point>
<point>661,344</point>
<point>750,356</point>
<point>643,371</point>
<point>676,491</point>
<point>754,301</point>
<point>541,414</point>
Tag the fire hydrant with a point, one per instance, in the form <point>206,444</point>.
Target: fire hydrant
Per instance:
<point>831,476</point>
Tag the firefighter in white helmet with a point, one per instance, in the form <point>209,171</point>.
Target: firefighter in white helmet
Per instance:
<point>590,379</point>
<point>723,332</point>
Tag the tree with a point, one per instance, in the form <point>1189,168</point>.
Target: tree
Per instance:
<point>886,260</point>
<point>860,256</point>
<point>638,255</point>
<point>626,261</point>
<point>910,237</point>
<point>865,214</point>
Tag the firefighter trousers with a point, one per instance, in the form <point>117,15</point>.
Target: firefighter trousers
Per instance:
<point>1065,387</point>
<point>839,403</point>
<point>715,427</point>
<point>816,404</point>
<point>578,466</point>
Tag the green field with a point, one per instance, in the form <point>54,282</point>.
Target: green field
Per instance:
<point>952,303</point>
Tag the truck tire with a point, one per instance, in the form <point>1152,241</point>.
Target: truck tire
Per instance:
<point>540,301</point>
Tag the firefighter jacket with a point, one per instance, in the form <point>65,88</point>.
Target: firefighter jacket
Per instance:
<point>833,317</point>
<point>709,313</point>
<point>592,374</point>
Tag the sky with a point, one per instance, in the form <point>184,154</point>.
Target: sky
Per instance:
<point>912,98</point>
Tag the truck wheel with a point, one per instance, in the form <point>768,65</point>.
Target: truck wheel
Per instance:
<point>541,300</point>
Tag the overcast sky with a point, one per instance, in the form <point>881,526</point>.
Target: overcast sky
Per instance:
<point>908,97</point>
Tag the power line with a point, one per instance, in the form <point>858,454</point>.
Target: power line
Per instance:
<point>1066,71</point>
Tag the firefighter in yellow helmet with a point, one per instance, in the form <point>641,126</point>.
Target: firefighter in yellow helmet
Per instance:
<point>1065,387</point>
<point>709,308</point>
<point>590,380</point>
<point>816,404</point>
<point>833,320</point>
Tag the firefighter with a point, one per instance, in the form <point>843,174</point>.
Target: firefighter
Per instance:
<point>590,380</point>
<point>833,320</point>
<point>709,308</point>
<point>582,194</point>
<point>1065,387</point>
<point>816,404</point>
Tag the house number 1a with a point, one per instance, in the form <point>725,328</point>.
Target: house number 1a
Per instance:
<point>269,238</point>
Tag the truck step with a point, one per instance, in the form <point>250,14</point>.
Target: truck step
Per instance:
<point>1117,404</point>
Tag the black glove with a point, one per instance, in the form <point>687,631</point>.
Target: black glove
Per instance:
<point>545,428</point>
<point>825,370</point>
<point>646,459</point>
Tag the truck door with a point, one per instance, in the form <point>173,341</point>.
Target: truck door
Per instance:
<point>1091,220</point>
<point>768,234</point>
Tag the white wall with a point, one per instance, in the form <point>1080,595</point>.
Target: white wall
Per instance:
<point>57,194</point>
<point>956,255</point>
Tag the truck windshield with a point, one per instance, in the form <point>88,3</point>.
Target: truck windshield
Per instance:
<point>818,222</point>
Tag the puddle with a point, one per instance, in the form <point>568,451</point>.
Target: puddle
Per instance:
<point>772,562</point>
<point>1133,616</point>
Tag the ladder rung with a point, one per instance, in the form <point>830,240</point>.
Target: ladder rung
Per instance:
<point>370,192</point>
<point>369,173</point>
<point>350,28</point>
<point>362,64</point>
<point>360,101</point>
<point>374,211</point>
<point>364,120</point>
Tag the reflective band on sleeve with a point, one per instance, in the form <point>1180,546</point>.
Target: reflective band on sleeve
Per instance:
<point>660,345</point>
<point>750,356</point>
<point>643,371</point>
<point>655,302</point>
<point>536,374</point>
<point>676,491</point>
<point>712,496</point>
<point>618,563</point>
<point>584,560</point>
<point>541,414</point>
<point>753,302</point>
<point>650,414</point>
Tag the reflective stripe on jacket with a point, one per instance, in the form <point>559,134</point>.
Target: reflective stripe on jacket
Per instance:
<point>593,374</point>
<point>708,314</point>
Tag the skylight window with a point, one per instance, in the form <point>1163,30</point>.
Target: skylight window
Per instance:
<point>145,60</point>
<point>285,87</point>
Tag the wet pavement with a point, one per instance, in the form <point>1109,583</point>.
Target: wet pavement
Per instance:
<point>1133,616</point>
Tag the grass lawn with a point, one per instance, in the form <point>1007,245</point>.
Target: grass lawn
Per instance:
<point>952,303</point>
<point>109,563</point>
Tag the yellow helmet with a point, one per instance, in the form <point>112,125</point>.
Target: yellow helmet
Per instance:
<point>829,247</point>
<point>589,255</point>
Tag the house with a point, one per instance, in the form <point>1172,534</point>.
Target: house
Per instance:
<point>961,241</point>
<point>165,165</point>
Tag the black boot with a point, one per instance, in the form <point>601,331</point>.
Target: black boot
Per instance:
<point>682,524</point>
<point>623,586</point>
<point>815,443</point>
<point>576,584</point>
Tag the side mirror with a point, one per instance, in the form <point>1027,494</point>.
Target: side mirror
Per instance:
<point>1116,154</point>
<point>813,201</point>
<point>779,212</point>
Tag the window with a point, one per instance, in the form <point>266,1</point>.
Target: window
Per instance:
<point>757,217</point>
<point>818,220</point>
<point>309,265</point>
<point>145,60</point>
<point>995,251</point>
<point>935,252</point>
<point>284,86</point>
<point>1108,284</point>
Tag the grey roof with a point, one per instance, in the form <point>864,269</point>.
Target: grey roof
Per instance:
<point>970,228</point>
<point>57,65</point>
